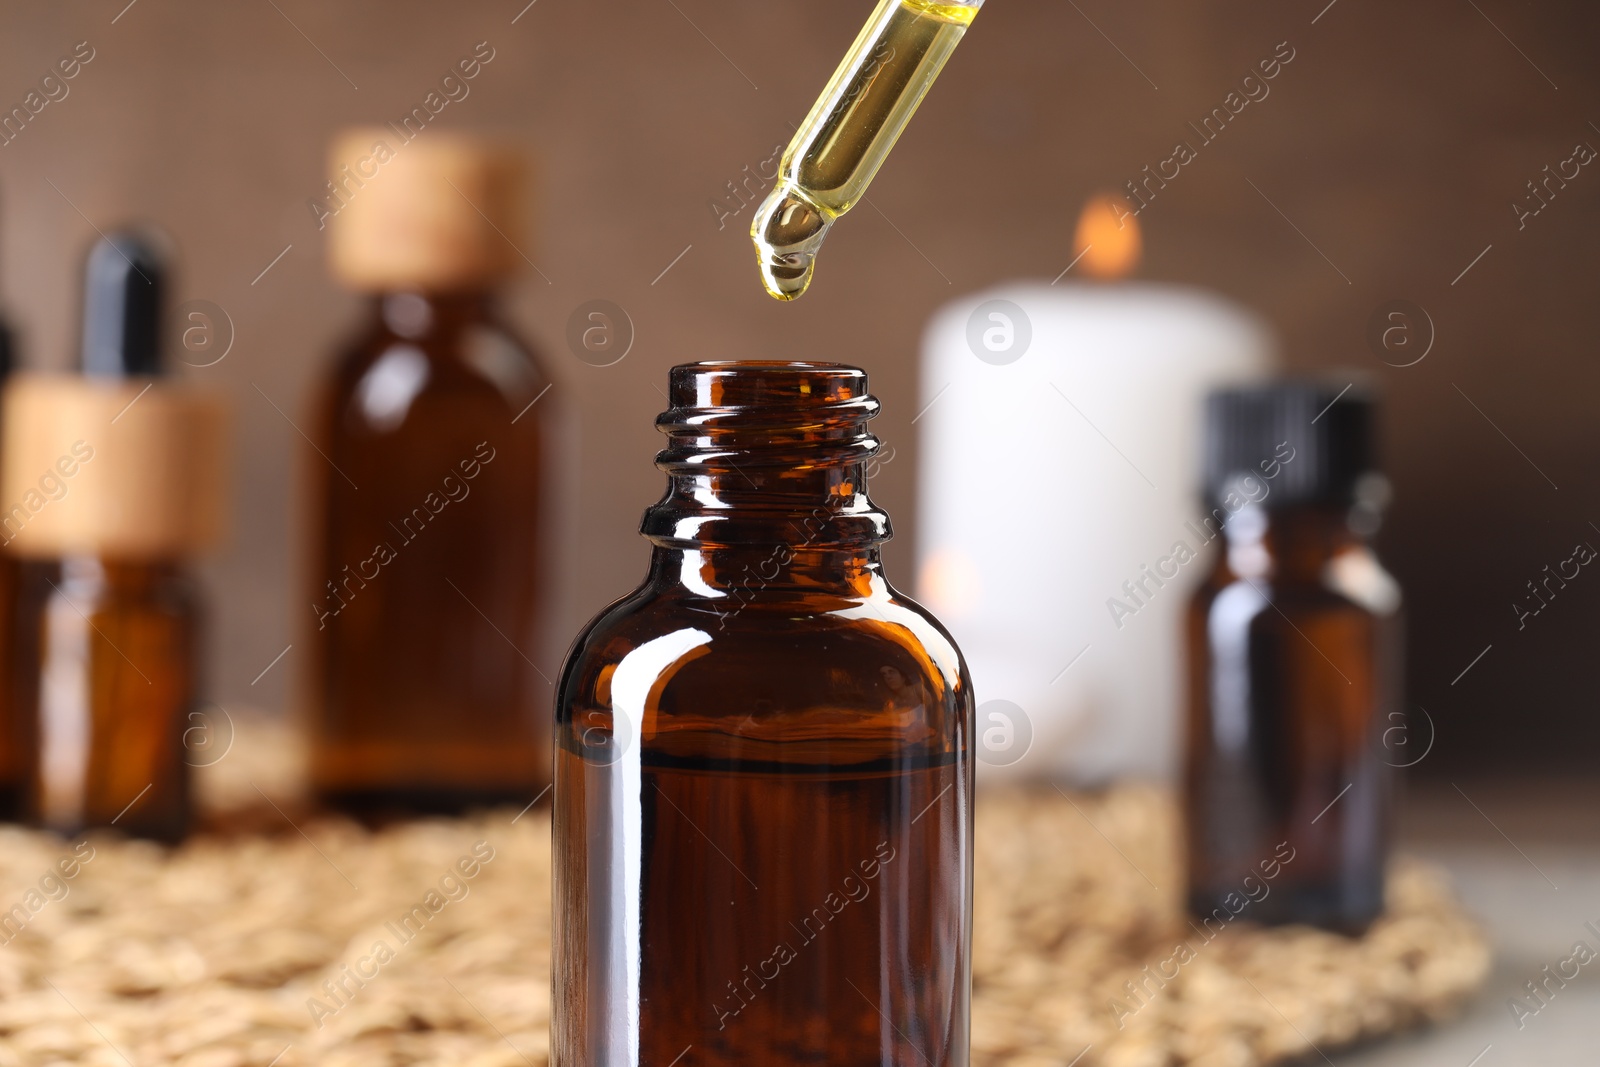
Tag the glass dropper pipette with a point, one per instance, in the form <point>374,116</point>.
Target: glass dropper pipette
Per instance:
<point>849,132</point>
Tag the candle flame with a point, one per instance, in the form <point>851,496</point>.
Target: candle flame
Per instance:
<point>1107,239</point>
<point>950,583</point>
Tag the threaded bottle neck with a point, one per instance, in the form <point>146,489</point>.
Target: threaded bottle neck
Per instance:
<point>766,453</point>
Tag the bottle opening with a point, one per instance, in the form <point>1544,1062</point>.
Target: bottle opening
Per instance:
<point>764,383</point>
<point>775,413</point>
<point>755,445</point>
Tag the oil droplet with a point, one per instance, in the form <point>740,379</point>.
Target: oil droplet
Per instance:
<point>788,231</point>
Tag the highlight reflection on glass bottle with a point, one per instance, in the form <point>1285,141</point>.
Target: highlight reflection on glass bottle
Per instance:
<point>763,777</point>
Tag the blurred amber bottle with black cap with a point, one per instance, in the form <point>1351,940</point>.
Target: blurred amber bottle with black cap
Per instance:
<point>425,587</point>
<point>115,476</point>
<point>1294,664</point>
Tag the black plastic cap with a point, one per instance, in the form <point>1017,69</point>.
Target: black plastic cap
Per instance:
<point>1309,442</point>
<point>124,285</point>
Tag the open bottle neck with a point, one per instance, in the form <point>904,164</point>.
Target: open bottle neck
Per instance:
<point>767,468</point>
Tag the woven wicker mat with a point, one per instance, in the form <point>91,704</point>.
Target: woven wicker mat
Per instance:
<point>216,954</point>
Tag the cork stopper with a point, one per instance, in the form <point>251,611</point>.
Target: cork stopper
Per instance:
<point>440,212</point>
<point>130,469</point>
<point>117,462</point>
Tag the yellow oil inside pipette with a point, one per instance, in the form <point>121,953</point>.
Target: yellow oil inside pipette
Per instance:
<point>849,132</point>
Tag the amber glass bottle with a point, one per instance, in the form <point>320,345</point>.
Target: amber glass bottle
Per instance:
<point>16,735</point>
<point>424,593</point>
<point>1294,662</point>
<point>763,816</point>
<point>119,652</point>
<point>116,631</point>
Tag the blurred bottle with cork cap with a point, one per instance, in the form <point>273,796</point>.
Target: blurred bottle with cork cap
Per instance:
<point>426,584</point>
<point>117,477</point>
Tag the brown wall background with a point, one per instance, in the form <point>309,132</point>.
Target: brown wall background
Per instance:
<point>1396,141</point>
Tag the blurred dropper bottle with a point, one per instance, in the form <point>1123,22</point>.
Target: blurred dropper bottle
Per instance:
<point>1294,654</point>
<point>116,474</point>
<point>425,588</point>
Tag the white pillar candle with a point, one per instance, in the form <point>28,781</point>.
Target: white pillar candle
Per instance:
<point>1060,457</point>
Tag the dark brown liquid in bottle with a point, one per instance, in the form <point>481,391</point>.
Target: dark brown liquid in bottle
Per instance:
<point>425,585</point>
<point>1293,681</point>
<point>763,790</point>
<point>118,647</point>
